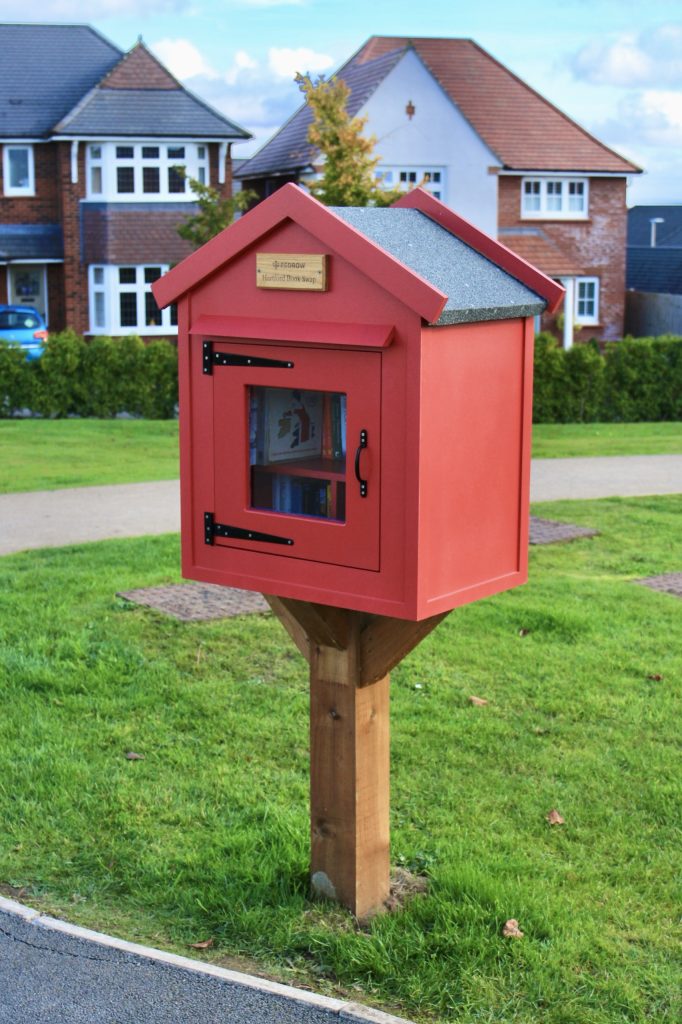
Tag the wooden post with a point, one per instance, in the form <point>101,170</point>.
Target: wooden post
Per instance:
<point>350,655</point>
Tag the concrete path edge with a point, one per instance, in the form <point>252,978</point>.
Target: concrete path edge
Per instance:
<point>345,1011</point>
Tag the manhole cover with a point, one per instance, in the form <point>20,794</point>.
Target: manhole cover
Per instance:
<point>192,602</point>
<point>548,531</point>
<point>670,583</point>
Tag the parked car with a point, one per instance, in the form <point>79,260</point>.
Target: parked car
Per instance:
<point>24,326</point>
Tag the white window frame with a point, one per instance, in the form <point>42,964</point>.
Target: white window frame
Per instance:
<point>545,187</point>
<point>103,156</point>
<point>104,280</point>
<point>586,319</point>
<point>22,190</point>
<point>432,179</point>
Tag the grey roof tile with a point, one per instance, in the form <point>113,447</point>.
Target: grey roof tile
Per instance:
<point>289,148</point>
<point>655,270</point>
<point>46,69</point>
<point>31,241</point>
<point>171,113</point>
<point>476,288</point>
<point>667,233</point>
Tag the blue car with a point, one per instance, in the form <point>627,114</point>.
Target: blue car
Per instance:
<point>24,326</point>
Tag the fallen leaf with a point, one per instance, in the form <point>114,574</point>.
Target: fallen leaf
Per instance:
<point>132,756</point>
<point>478,702</point>
<point>511,929</point>
<point>524,632</point>
<point>554,818</point>
<point>206,944</point>
<point>655,677</point>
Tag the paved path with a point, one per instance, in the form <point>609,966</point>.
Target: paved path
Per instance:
<point>54,973</point>
<point>54,518</point>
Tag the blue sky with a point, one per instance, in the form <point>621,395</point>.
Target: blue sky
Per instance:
<point>615,66</point>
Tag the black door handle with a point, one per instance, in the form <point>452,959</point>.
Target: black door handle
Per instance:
<point>358,453</point>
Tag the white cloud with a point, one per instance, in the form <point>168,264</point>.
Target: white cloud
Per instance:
<point>652,57</point>
<point>654,117</point>
<point>243,62</point>
<point>285,62</point>
<point>182,58</point>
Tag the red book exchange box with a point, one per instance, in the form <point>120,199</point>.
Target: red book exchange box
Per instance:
<point>355,405</point>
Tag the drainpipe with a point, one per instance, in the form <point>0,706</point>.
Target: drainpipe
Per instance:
<point>569,307</point>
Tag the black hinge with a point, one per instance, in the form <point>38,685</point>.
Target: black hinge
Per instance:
<point>211,359</point>
<point>213,529</point>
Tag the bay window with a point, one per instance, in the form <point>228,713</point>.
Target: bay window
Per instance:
<point>121,301</point>
<point>134,171</point>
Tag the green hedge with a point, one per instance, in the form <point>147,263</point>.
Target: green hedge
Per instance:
<point>633,380</point>
<point>101,378</point>
<point>636,379</point>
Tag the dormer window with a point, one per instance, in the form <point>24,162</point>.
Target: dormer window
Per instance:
<point>554,198</point>
<point>134,171</point>
<point>18,171</point>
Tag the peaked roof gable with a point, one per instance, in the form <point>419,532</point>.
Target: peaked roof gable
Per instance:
<point>291,203</point>
<point>416,252</point>
<point>139,69</point>
<point>66,61</point>
<point>139,97</point>
<point>524,130</point>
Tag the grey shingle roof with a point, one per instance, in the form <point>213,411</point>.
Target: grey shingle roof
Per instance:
<point>31,241</point>
<point>147,112</point>
<point>289,148</point>
<point>46,69</point>
<point>667,233</point>
<point>655,270</point>
<point>476,288</point>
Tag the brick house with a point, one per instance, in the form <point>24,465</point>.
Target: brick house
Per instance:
<point>91,192</point>
<point>448,115</point>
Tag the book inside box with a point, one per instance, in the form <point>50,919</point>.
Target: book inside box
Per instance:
<point>297,453</point>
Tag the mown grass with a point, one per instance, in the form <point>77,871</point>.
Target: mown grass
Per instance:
<point>567,440</point>
<point>49,454</point>
<point>38,455</point>
<point>207,836</point>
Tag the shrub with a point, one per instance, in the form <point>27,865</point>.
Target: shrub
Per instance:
<point>16,390</point>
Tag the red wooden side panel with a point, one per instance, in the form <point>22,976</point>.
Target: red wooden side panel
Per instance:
<point>475,452</point>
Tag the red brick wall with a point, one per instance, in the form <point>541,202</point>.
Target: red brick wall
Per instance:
<point>43,207</point>
<point>597,245</point>
<point>75,295</point>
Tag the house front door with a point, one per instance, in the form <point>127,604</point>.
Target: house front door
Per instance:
<point>27,286</point>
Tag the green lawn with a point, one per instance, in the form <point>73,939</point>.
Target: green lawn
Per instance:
<point>48,454</point>
<point>566,440</point>
<point>207,837</point>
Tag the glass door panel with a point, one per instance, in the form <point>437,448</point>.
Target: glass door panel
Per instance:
<point>297,444</point>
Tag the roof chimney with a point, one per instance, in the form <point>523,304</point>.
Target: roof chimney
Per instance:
<point>654,221</point>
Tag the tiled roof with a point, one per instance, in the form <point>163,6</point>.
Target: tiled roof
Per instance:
<point>134,232</point>
<point>523,129</point>
<point>532,244</point>
<point>289,149</point>
<point>476,288</point>
<point>31,241</point>
<point>146,112</point>
<point>654,270</point>
<point>140,98</point>
<point>667,233</point>
<point>517,123</point>
<point>46,69</point>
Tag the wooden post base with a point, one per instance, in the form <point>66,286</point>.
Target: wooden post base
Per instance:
<point>350,655</point>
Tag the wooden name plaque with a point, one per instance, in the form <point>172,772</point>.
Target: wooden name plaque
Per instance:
<point>295,271</point>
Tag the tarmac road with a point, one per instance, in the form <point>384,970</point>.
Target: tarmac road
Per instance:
<point>55,518</point>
